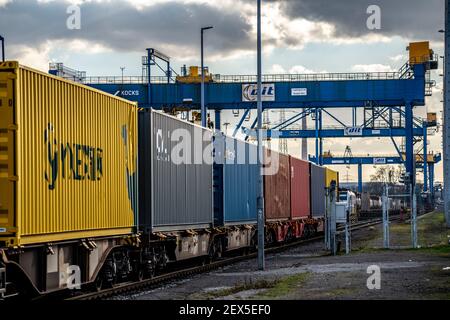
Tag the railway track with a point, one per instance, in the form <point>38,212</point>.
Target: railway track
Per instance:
<point>129,287</point>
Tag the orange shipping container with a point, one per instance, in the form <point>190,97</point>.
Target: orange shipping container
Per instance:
<point>277,197</point>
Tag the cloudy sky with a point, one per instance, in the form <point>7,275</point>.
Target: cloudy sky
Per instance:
<point>300,36</point>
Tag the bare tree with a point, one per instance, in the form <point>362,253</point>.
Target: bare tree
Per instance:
<point>387,174</point>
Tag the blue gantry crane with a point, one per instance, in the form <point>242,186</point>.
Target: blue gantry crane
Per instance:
<point>387,98</point>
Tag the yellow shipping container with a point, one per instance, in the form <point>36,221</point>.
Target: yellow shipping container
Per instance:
<point>68,157</point>
<point>331,175</point>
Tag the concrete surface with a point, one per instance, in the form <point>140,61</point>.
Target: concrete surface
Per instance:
<point>309,272</point>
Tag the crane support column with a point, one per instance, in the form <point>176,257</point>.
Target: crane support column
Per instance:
<point>425,162</point>
<point>411,170</point>
<point>320,139</point>
<point>431,178</point>
<point>304,140</point>
<point>217,119</point>
<point>410,158</point>
<point>317,135</point>
<point>446,139</point>
<point>360,177</point>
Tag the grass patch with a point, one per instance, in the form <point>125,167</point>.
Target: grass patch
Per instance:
<point>340,292</point>
<point>438,249</point>
<point>440,296</point>
<point>431,231</point>
<point>272,288</point>
<point>250,285</point>
<point>368,250</point>
<point>284,286</point>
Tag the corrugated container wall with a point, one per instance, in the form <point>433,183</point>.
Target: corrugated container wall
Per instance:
<point>67,159</point>
<point>330,176</point>
<point>277,196</point>
<point>318,203</point>
<point>236,177</point>
<point>175,174</point>
<point>300,189</point>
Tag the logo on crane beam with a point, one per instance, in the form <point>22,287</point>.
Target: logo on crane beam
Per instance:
<point>122,93</point>
<point>353,131</point>
<point>250,92</point>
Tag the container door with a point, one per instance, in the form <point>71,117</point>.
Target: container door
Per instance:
<point>7,153</point>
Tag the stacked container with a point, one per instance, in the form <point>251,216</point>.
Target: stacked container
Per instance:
<point>235,181</point>
<point>277,195</point>
<point>318,201</point>
<point>175,174</point>
<point>67,159</point>
<point>330,176</point>
<point>300,188</point>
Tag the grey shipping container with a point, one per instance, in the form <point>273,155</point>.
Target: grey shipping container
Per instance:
<point>175,174</point>
<point>235,181</point>
<point>318,200</point>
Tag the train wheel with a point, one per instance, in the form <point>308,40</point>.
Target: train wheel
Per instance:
<point>98,284</point>
<point>151,273</point>
<point>254,242</point>
<point>211,255</point>
<point>270,237</point>
<point>139,275</point>
<point>306,232</point>
<point>289,235</point>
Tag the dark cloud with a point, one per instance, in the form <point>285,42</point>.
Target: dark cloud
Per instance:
<point>414,19</point>
<point>119,25</point>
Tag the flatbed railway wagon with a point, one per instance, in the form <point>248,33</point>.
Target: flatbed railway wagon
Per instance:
<point>94,192</point>
<point>68,185</point>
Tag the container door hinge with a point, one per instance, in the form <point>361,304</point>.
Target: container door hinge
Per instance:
<point>2,281</point>
<point>13,178</point>
<point>13,127</point>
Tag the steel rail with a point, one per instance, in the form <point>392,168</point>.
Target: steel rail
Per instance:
<point>129,287</point>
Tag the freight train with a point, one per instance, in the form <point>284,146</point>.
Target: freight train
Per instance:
<point>94,191</point>
<point>370,206</point>
<point>368,202</point>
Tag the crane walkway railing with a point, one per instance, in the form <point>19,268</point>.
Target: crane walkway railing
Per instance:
<point>250,78</point>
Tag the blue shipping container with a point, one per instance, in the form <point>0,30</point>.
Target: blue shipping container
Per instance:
<point>235,181</point>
